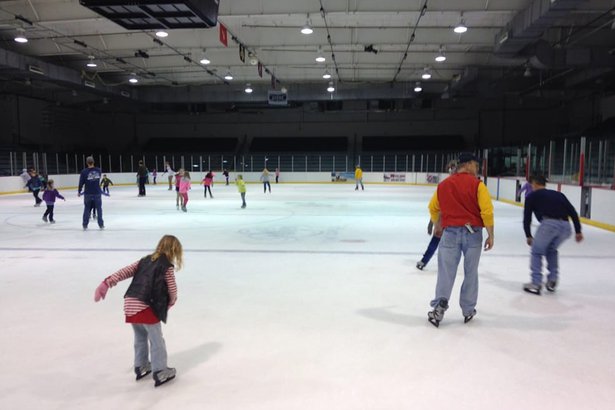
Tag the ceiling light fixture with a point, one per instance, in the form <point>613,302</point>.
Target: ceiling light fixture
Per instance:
<point>440,58</point>
<point>461,27</point>
<point>21,36</point>
<point>162,34</point>
<point>204,60</point>
<point>228,76</point>
<point>417,87</point>
<point>91,62</point>
<point>133,78</point>
<point>331,88</point>
<point>307,28</point>
<point>426,74</point>
<point>326,75</point>
<point>320,58</point>
<point>248,89</point>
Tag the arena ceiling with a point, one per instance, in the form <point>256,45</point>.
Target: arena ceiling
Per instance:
<point>371,48</point>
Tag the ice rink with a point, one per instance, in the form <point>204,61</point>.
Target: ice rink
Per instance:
<point>307,299</point>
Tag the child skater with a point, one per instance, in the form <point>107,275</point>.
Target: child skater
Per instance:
<point>184,187</point>
<point>241,187</point>
<point>265,179</point>
<point>431,248</point>
<point>146,303</point>
<point>104,183</point>
<point>208,182</point>
<point>35,184</point>
<point>49,196</point>
<point>178,199</point>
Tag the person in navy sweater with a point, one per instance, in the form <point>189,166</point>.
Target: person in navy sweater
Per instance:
<point>552,209</point>
<point>35,184</point>
<point>49,196</point>
<point>89,182</point>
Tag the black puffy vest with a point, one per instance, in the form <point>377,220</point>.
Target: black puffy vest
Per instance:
<point>149,285</point>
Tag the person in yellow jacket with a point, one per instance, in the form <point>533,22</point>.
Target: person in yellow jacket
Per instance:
<point>358,177</point>
<point>241,187</point>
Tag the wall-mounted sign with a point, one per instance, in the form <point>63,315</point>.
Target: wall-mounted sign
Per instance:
<point>277,97</point>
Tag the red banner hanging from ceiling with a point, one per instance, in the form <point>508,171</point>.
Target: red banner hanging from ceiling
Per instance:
<point>223,35</point>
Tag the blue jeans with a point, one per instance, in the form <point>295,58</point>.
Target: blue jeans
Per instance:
<point>153,334</point>
<point>455,241</point>
<point>549,236</point>
<point>431,249</point>
<point>92,201</point>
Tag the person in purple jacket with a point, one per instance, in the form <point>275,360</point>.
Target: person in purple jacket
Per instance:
<point>49,196</point>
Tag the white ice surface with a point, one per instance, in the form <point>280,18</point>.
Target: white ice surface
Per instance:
<point>307,299</point>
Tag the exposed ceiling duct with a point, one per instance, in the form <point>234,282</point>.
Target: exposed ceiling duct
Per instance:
<point>32,67</point>
<point>529,24</point>
<point>548,57</point>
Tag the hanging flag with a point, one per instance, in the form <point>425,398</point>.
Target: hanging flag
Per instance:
<point>223,35</point>
<point>260,70</point>
<point>242,53</point>
<point>272,82</point>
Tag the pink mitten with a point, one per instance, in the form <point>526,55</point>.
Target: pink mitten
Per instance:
<point>101,291</point>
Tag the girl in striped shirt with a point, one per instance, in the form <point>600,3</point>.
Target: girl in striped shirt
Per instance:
<point>151,293</point>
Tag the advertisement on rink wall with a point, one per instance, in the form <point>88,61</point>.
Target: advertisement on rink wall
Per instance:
<point>342,176</point>
<point>395,177</point>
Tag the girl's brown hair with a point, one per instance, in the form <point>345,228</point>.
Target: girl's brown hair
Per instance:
<point>187,174</point>
<point>170,247</point>
<point>50,184</point>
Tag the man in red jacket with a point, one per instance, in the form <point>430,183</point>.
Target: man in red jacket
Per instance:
<point>460,208</point>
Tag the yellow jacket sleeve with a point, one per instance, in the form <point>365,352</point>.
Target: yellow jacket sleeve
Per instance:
<point>485,204</point>
<point>434,208</point>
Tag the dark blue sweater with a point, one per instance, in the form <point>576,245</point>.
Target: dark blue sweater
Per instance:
<point>90,178</point>
<point>546,203</point>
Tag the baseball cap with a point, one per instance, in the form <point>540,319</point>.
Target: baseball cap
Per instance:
<point>467,157</point>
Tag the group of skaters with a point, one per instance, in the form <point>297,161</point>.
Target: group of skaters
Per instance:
<point>459,210</point>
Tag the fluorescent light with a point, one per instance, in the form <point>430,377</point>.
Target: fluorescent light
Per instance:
<point>426,74</point>
<point>320,59</point>
<point>417,87</point>
<point>162,34</point>
<point>204,61</point>
<point>326,75</point>
<point>331,88</point>
<point>228,76</point>
<point>133,79</point>
<point>248,89</point>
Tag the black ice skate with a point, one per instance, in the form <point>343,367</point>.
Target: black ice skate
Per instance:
<point>142,371</point>
<point>551,285</point>
<point>163,376</point>
<point>420,265</point>
<point>467,318</point>
<point>437,314</point>
<point>532,288</point>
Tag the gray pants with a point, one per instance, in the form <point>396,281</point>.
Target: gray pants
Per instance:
<point>153,334</point>
<point>549,236</point>
<point>456,241</point>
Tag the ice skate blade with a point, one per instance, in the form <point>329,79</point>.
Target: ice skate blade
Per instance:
<point>433,320</point>
<point>142,375</point>
<point>161,382</point>
<point>532,291</point>
<point>466,319</point>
